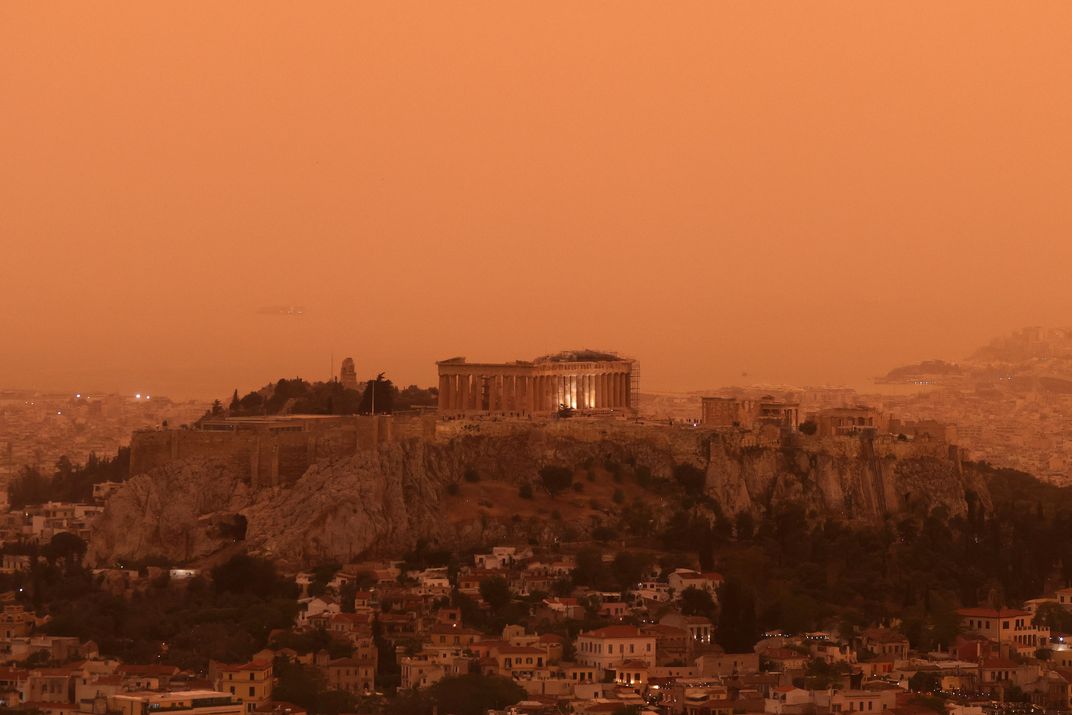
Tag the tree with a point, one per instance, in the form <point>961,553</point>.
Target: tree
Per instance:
<point>808,427</point>
<point>28,487</point>
<point>556,479</point>
<point>378,397</point>
<point>697,602</point>
<point>737,631</point>
<point>475,694</point>
<point>591,571</point>
<point>691,478</point>
<point>496,592</point>
<point>296,683</point>
<point>924,681</point>
<point>1055,617</point>
<point>820,675</point>
<point>604,533</point>
<point>245,574</point>
<point>67,546</point>
<point>628,569</point>
<point>744,526</point>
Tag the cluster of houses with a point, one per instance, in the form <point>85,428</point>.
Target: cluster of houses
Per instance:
<point>585,652</point>
<point>38,523</point>
<point>430,641</point>
<point>641,650</point>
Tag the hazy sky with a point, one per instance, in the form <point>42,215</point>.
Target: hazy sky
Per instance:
<point>803,191</point>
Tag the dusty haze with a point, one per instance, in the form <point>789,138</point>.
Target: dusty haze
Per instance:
<point>806,192</point>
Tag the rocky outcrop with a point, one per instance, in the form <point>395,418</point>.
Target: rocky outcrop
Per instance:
<point>384,501</point>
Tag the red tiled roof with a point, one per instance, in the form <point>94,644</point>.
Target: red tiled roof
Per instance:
<point>884,635</point>
<point>615,632</point>
<point>1003,663</point>
<point>991,612</point>
<point>348,662</point>
<point>632,664</point>
<point>235,667</point>
<point>783,654</point>
<point>519,650</point>
<point>151,669</point>
<point>660,629</point>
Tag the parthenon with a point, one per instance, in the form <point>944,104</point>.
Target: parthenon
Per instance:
<point>580,380</point>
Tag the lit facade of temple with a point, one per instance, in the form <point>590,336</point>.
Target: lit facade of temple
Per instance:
<point>580,380</point>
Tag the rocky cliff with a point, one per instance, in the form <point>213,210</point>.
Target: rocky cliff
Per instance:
<point>383,501</point>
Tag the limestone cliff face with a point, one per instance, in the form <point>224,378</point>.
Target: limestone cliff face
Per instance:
<point>383,501</point>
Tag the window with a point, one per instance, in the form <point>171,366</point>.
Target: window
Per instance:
<point>252,691</point>
<point>1004,625</point>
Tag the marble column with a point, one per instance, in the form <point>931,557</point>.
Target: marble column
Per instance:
<point>444,398</point>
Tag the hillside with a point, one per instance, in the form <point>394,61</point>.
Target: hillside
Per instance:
<point>463,489</point>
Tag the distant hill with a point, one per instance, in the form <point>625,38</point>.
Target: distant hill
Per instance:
<point>1027,345</point>
<point>924,369</point>
<point>1029,359</point>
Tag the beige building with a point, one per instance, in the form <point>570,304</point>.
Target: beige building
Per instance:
<point>250,683</point>
<point>607,647</point>
<point>1010,628</point>
<point>579,380</point>
<point>194,702</point>
<point>749,414</point>
<point>849,421</point>
<point>351,675</point>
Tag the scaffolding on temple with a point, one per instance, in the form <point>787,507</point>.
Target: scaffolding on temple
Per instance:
<point>634,387</point>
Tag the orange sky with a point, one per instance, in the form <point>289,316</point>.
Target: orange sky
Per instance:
<point>807,192</point>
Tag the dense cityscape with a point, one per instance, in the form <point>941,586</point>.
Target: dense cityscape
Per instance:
<point>635,582</point>
<point>516,358</point>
